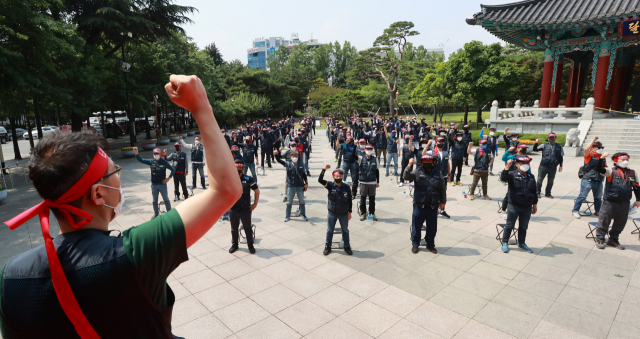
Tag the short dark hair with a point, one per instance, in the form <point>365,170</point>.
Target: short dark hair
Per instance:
<point>618,154</point>
<point>60,159</point>
<point>597,144</point>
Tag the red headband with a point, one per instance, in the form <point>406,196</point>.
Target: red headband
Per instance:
<point>96,171</point>
<point>239,165</point>
<point>334,173</point>
<point>621,157</point>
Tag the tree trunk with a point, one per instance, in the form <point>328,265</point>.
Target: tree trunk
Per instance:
<point>466,113</point>
<point>392,111</point>
<point>16,149</point>
<point>58,115</point>
<point>104,130</point>
<point>479,115</point>
<point>76,122</point>
<point>36,113</point>
<point>146,127</point>
<point>30,134</point>
<point>114,126</point>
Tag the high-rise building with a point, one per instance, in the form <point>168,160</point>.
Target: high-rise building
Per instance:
<point>258,55</point>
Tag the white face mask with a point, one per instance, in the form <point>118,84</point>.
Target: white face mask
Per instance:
<point>442,133</point>
<point>157,157</point>
<point>600,151</point>
<point>459,138</point>
<point>118,208</point>
<point>369,152</point>
<point>623,164</point>
<point>524,168</point>
<point>362,146</point>
<point>492,133</point>
<point>514,139</point>
<point>294,159</point>
<point>197,142</point>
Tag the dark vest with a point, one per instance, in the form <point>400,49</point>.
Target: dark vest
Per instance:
<point>248,152</point>
<point>158,171</point>
<point>244,203</point>
<point>381,140</point>
<point>338,200</point>
<point>551,155</point>
<point>347,154</point>
<point>392,147</point>
<point>367,169</point>
<point>458,149</point>
<point>406,153</point>
<point>197,153</point>
<point>180,162</point>
<point>620,187</point>
<point>441,165</point>
<point>427,187</point>
<point>523,191</point>
<point>590,172</point>
<point>482,162</point>
<point>103,280</point>
<point>294,174</point>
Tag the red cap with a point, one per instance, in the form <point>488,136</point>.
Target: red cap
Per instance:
<point>349,137</point>
<point>239,165</point>
<point>426,156</point>
<point>482,142</point>
<point>523,158</point>
<point>621,157</point>
<point>223,130</point>
<point>198,138</point>
<point>522,146</point>
<point>234,148</point>
<point>362,140</point>
<point>368,147</point>
<point>156,151</point>
<point>440,139</point>
<point>465,126</point>
<point>177,144</point>
<point>552,135</point>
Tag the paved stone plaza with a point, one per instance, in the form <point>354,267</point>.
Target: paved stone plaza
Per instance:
<point>566,289</point>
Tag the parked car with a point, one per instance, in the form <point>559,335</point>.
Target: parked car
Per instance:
<point>34,132</point>
<point>4,136</point>
<point>20,132</point>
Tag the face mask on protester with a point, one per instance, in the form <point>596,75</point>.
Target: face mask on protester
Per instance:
<point>427,166</point>
<point>459,138</point>
<point>157,157</point>
<point>440,145</point>
<point>369,152</point>
<point>178,149</point>
<point>492,133</point>
<point>483,147</point>
<point>362,146</point>
<point>442,133</point>
<point>337,181</point>
<point>623,164</point>
<point>514,139</point>
<point>117,208</point>
<point>524,168</point>
<point>552,141</point>
<point>294,159</point>
<point>393,135</point>
<point>197,142</point>
<point>600,151</point>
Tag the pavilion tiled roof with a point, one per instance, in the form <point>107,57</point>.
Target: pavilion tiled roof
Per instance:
<point>551,12</point>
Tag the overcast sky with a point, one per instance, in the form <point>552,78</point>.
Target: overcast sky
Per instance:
<point>233,25</point>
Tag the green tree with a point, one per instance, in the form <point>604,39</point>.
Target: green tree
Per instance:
<point>344,62</point>
<point>320,94</point>
<point>343,104</point>
<point>433,91</point>
<point>481,73</point>
<point>381,60</point>
<point>214,53</point>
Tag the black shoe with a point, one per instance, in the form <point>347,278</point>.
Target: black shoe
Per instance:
<point>432,249</point>
<point>204,188</point>
<point>444,214</point>
<point>348,250</point>
<point>414,250</point>
<point>308,174</point>
<point>615,243</point>
<point>549,196</point>
<point>539,195</point>
<point>233,248</point>
<point>599,244</point>
<point>285,199</point>
<point>327,250</point>
<point>373,216</point>
<point>386,175</point>
<point>252,250</point>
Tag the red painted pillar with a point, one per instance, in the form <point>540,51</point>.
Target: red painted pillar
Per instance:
<point>573,84</point>
<point>555,90</point>
<point>623,72</point>
<point>547,76</point>
<point>582,75</point>
<point>599,90</point>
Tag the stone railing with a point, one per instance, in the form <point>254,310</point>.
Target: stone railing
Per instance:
<point>537,113</point>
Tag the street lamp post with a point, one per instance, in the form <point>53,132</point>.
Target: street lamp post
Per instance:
<point>233,102</point>
<point>125,69</point>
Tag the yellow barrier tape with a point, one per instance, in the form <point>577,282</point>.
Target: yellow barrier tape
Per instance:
<point>610,110</point>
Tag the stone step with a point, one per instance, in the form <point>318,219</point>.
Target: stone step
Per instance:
<point>631,137</point>
<point>615,130</point>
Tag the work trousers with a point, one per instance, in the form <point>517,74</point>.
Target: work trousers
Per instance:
<point>268,152</point>
<point>235,216</point>
<point>618,212</point>
<point>585,187</point>
<point>195,168</point>
<point>162,189</point>
<point>252,166</point>
<point>365,192</point>
<point>331,226</point>
<point>523,214</point>
<point>394,157</point>
<point>291,192</point>
<point>550,173</point>
<point>405,163</point>
<point>382,151</point>
<point>456,164</point>
<point>422,214</point>
<point>180,179</point>
<point>476,177</point>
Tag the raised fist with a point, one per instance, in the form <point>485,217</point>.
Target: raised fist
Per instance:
<point>326,167</point>
<point>180,138</point>
<point>537,141</point>
<point>506,129</point>
<point>135,150</point>
<point>411,161</point>
<point>187,91</point>
<point>471,143</point>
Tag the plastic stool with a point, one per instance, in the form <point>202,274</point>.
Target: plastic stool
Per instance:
<point>637,231</point>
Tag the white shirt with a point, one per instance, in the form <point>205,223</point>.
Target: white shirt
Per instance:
<point>190,146</point>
